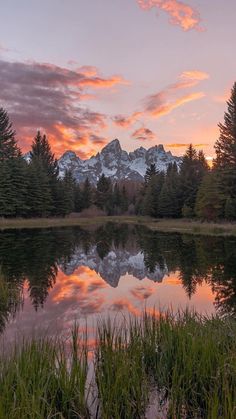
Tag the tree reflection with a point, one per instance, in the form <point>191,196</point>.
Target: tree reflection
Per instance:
<point>31,258</point>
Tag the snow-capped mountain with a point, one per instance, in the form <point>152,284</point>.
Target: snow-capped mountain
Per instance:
<point>115,264</point>
<point>116,163</point>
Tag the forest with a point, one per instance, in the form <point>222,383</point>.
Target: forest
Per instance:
<point>34,188</point>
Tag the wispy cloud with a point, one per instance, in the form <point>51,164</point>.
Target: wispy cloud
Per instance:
<point>180,13</point>
<point>51,98</point>
<point>184,145</point>
<point>160,105</point>
<point>166,100</point>
<point>126,121</point>
<point>143,134</point>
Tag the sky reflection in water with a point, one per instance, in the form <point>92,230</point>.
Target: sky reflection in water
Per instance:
<point>63,275</point>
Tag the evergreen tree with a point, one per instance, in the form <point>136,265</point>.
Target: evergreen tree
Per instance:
<point>225,148</point>
<point>87,194</point>
<point>78,196</point>
<point>39,191</point>
<point>43,161</point>
<point>68,186</point>
<point>6,193</point>
<point>210,201</point>
<point>192,171</point>
<point>151,193</point>
<point>8,144</point>
<point>19,186</point>
<point>124,200</point>
<point>169,202</point>
<point>41,152</point>
<point>104,194</point>
<point>150,172</point>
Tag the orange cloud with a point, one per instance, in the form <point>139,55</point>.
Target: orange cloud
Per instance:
<point>165,101</point>
<point>181,145</point>
<point>99,82</point>
<point>157,107</point>
<point>48,97</point>
<point>180,13</point>
<point>143,134</point>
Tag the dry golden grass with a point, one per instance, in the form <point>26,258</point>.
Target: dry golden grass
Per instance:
<point>165,225</point>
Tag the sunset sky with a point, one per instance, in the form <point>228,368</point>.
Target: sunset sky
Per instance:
<point>144,71</point>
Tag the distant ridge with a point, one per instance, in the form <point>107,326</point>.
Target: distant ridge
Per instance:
<point>116,163</point>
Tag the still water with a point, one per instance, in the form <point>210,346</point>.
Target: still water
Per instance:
<point>49,278</point>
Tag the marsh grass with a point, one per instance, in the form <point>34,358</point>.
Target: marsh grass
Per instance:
<point>120,376</point>
<point>190,358</point>
<point>45,378</point>
<point>187,359</point>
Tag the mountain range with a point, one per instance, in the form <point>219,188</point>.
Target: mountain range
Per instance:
<point>115,163</point>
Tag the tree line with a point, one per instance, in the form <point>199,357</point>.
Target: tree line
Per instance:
<point>34,188</point>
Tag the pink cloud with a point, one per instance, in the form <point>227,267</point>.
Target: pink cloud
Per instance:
<point>126,121</point>
<point>159,105</point>
<point>143,134</point>
<point>181,14</point>
<point>49,97</point>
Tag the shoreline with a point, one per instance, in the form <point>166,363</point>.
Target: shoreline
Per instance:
<point>183,226</point>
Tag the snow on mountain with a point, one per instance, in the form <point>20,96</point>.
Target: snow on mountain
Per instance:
<point>116,163</point>
<point>115,264</point>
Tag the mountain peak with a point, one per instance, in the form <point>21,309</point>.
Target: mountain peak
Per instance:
<point>114,147</point>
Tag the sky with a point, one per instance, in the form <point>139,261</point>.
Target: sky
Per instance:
<point>144,71</point>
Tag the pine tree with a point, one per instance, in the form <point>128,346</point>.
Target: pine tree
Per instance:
<point>169,202</point>
<point>104,194</point>
<point>230,209</point>
<point>41,151</point>
<point>68,186</point>
<point>8,144</point>
<point>151,192</point>
<point>19,186</point>
<point>225,149</point>
<point>116,199</point>
<point>78,195</point>
<point>150,172</point>
<point>44,161</point>
<point>87,194</point>
<point>124,200</point>
<point>39,191</point>
<point>192,171</point>
<point>210,201</point>
<point>6,195</point>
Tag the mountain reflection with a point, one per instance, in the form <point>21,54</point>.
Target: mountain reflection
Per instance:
<point>37,259</point>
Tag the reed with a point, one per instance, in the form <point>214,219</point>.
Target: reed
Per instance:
<point>188,359</point>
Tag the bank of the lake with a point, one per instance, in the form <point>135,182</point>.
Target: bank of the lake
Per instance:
<point>164,225</point>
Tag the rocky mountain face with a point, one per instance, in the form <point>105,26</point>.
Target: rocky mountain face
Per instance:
<point>116,163</point>
<point>117,263</point>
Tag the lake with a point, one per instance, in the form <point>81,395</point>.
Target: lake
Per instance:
<point>54,277</point>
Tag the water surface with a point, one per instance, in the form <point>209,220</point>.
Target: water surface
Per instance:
<point>52,277</point>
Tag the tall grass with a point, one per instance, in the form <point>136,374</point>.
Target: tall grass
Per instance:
<point>189,360</point>
<point>44,379</point>
<point>120,376</point>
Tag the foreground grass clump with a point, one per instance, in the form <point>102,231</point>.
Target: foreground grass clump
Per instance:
<point>188,360</point>
<point>120,376</point>
<point>191,360</point>
<point>44,379</point>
